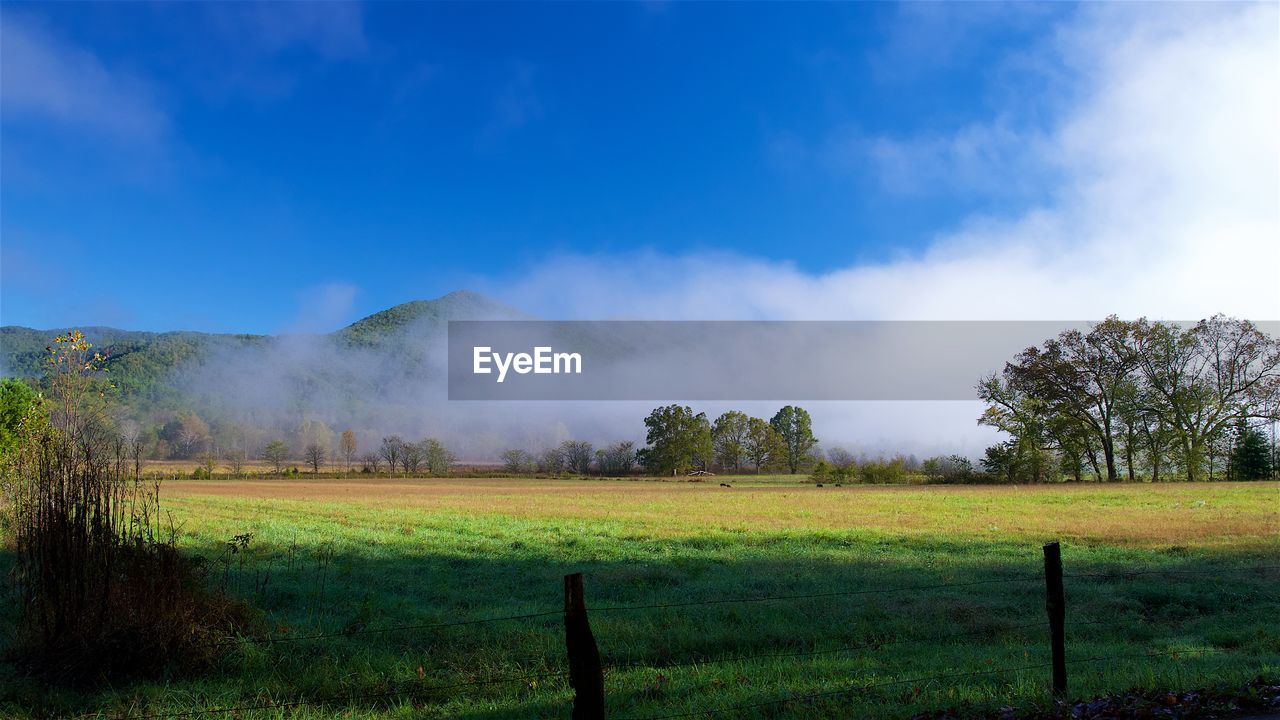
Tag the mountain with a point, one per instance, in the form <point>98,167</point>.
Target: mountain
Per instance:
<point>145,366</point>
<point>429,315</point>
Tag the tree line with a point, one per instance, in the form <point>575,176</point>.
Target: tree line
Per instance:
<point>393,454</point>
<point>1139,399</point>
<point>1128,400</point>
<point>679,440</point>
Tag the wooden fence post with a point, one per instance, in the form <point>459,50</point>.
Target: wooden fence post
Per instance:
<point>1055,604</point>
<point>586,677</point>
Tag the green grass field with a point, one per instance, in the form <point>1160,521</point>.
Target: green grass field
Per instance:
<point>337,556</point>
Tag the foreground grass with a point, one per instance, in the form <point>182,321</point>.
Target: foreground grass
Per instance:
<point>331,557</point>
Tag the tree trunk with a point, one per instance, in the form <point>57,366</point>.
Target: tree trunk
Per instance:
<point>1109,453</point>
<point>1128,453</point>
<point>1192,452</point>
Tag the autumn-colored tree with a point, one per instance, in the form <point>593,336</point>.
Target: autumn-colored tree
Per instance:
<point>187,433</point>
<point>77,389</point>
<point>348,446</point>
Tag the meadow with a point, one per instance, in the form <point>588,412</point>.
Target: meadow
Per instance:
<point>376,566</point>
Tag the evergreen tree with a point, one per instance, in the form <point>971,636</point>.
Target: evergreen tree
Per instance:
<point>1251,457</point>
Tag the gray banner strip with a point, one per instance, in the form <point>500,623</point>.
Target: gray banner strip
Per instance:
<point>735,360</point>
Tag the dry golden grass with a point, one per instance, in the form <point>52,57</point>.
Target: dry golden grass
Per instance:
<point>1178,514</point>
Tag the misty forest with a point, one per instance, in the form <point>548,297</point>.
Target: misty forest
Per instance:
<point>1124,400</point>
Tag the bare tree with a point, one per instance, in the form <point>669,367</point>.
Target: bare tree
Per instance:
<point>392,450</point>
<point>840,457</point>
<point>551,462</point>
<point>577,456</point>
<point>192,434</point>
<point>411,457</point>
<point>131,439</point>
<point>138,452</point>
<point>235,458</point>
<point>617,459</point>
<point>316,454</point>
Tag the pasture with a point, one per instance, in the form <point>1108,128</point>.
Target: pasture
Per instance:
<point>376,566</point>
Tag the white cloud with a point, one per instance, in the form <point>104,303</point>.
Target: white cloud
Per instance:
<point>982,158</point>
<point>44,79</point>
<point>1165,202</point>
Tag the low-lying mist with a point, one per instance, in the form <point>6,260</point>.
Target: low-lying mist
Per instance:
<point>397,384</point>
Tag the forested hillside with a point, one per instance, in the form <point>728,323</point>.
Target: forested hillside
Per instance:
<point>220,390</point>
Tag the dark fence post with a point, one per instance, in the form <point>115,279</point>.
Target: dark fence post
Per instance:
<point>1055,604</point>
<point>586,677</point>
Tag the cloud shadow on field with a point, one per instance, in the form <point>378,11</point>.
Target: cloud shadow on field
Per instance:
<point>351,594</point>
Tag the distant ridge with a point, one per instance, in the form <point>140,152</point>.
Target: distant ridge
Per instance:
<point>426,315</point>
<point>138,359</point>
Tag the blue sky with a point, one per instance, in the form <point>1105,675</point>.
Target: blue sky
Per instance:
<point>264,168</point>
<point>210,166</point>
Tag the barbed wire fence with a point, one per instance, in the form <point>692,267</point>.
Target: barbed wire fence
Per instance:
<point>585,671</point>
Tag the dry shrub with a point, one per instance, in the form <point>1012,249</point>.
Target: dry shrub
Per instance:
<point>105,593</point>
